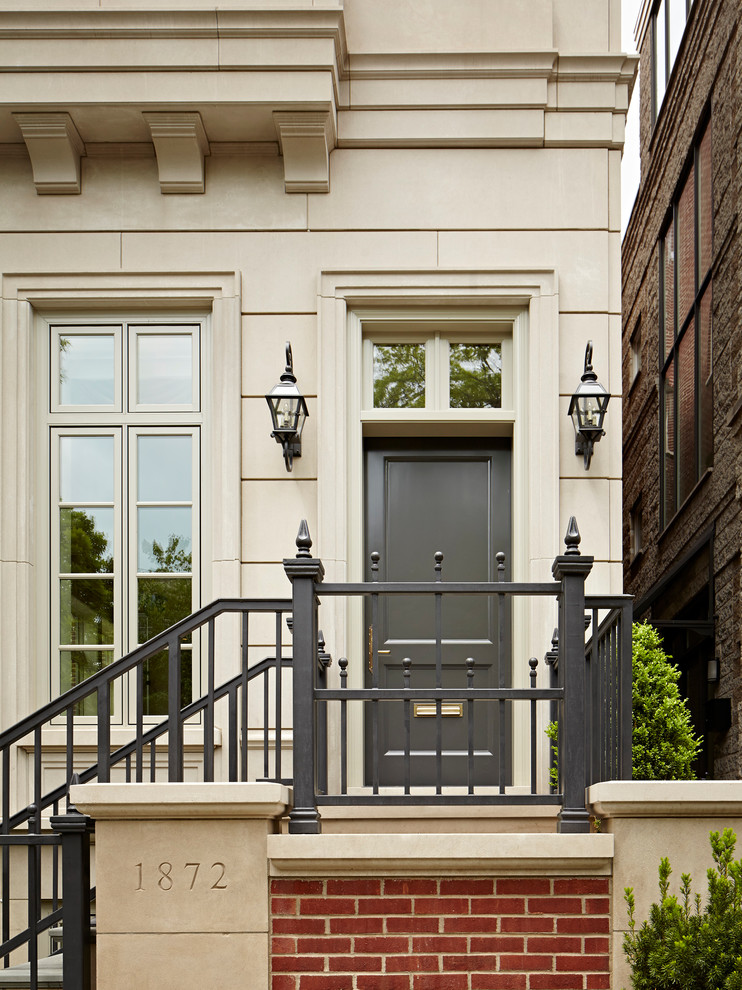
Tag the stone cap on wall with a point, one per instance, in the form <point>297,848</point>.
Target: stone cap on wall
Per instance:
<point>666,798</point>
<point>181,800</point>
<point>532,854</point>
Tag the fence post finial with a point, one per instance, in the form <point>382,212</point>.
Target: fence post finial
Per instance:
<point>572,539</point>
<point>303,540</point>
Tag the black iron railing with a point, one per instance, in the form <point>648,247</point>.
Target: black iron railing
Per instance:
<point>588,694</point>
<point>588,691</point>
<point>156,751</point>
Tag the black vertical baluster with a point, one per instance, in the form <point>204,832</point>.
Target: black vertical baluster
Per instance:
<point>37,777</point>
<point>374,659</point>
<point>625,690</point>
<point>34,863</point>
<point>33,906</point>
<point>127,768</point>
<point>608,701</point>
<point>597,728</point>
<point>55,865</point>
<point>266,708</point>
<point>500,557</point>
<point>343,665</point>
<point>613,739</point>
<point>243,685</point>
<point>6,850</point>
<point>69,742</point>
<point>174,723</point>
<point>589,727</point>
<point>209,710</point>
<point>470,726</point>
<point>232,733</point>
<point>278,761</point>
<point>533,664</point>
<point>140,722</point>
<point>438,675</point>
<point>153,761</point>
<point>323,662</point>
<point>406,664</point>
<point>104,733</point>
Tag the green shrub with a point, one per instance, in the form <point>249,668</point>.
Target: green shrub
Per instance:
<point>664,745</point>
<point>682,947</point>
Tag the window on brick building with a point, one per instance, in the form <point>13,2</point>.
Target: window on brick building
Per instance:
<point>686,372</point>
<point>636,536</point>
<point>636,352</point>
<point>668,26</point>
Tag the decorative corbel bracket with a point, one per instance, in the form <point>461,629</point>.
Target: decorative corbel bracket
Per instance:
<point>54,147</point>
<point>306,139</point>
<point>180,145</point>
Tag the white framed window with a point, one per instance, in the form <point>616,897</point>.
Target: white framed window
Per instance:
<point>125,423</point>
<point>442,368</point>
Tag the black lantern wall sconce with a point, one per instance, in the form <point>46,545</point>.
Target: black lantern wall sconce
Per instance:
<point>288,412</point>
<point>587,408</point>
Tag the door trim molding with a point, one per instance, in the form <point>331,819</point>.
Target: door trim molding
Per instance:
<point>348,302</point>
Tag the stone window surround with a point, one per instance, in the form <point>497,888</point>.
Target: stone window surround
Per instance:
<point>29,301</point>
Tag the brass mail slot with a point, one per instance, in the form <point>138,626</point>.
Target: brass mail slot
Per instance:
<point>449,709</point>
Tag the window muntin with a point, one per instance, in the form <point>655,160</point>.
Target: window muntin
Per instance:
<point>125,496</point>
<point>436,370</point>
<point>669,18</point>
<point>686,371</point>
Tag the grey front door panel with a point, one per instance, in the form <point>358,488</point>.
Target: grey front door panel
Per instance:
<point>422,497</point>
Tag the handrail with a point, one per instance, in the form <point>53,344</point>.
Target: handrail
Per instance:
<point>126,663</point>
<point>504,588</point>
<point>152,734</point>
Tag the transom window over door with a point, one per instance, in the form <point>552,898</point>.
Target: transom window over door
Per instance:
<point>438,369</point>
<point>124,427</point>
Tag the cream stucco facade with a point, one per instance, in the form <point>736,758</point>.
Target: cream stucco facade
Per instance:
<point>311,172</point>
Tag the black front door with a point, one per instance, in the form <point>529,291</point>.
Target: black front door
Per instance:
<point>425,496</point>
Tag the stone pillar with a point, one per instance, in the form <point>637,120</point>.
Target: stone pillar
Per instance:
<point>182,884</point>
<point>650,819</point>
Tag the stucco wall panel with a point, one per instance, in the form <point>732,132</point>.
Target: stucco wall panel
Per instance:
<point>280,269</point>
<point>437,25</point>
<point>580,257</point>
<point>423,188</point>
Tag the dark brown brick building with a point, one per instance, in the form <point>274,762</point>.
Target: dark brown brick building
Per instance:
<point>682,371</point>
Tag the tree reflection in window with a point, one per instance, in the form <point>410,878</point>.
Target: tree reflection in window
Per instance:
<point>475,376</point>
<point>399,376</point>
<point>163,601</point>
<point>86,603</point>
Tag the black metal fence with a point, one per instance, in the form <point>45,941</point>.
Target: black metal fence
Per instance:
<point>588,692</point>
<point>156,750</point>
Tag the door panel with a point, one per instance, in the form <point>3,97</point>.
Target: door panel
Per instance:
<point>421,497</point>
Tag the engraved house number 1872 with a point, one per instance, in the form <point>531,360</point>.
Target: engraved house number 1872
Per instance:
<point>189,877</point>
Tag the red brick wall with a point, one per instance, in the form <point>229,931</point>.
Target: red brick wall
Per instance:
<point>522,933</point>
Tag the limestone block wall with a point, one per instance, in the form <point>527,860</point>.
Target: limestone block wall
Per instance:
<point>456,162</point>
